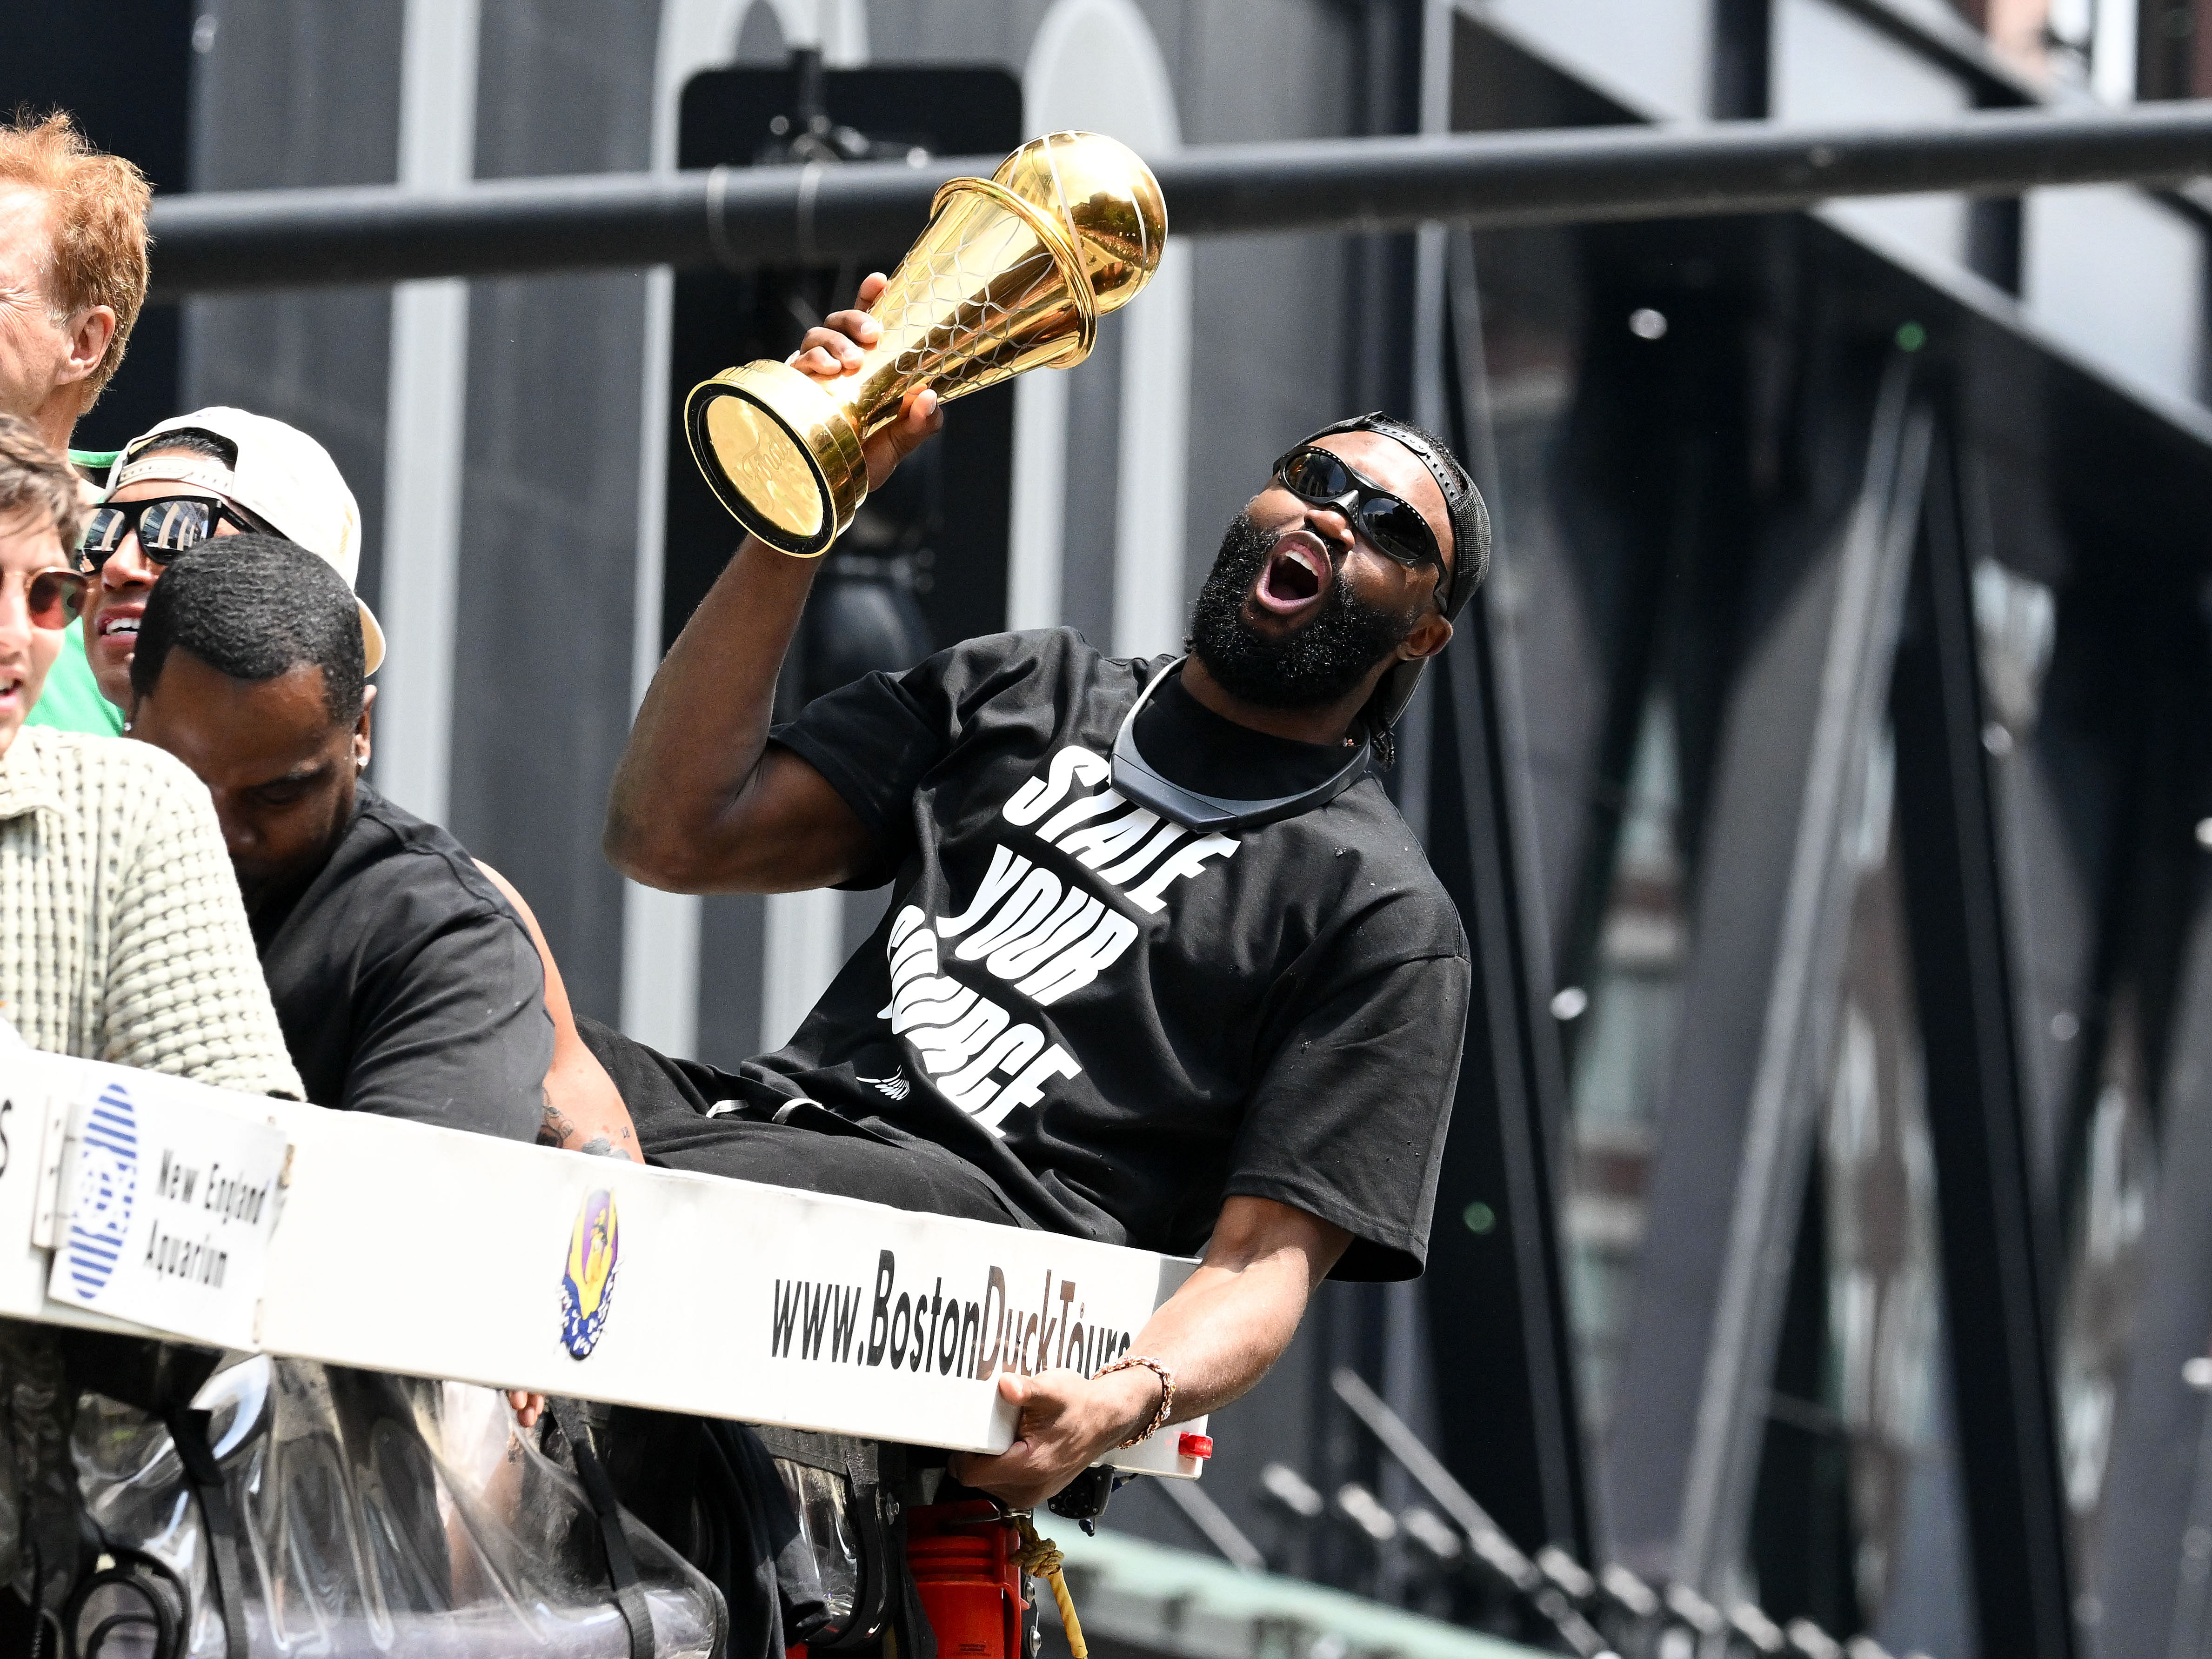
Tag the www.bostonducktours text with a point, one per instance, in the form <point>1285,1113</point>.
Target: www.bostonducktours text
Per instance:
<point>918,1330</point>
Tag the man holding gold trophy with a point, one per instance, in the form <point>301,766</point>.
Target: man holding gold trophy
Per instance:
<point>1162,966</point>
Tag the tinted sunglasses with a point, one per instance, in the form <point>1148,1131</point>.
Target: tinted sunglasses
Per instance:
<point>55,598</point>
<point>166,526</point>
<point>1393,528</point>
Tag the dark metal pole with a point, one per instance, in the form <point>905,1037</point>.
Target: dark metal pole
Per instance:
<point>1514,1428</point>
<point>2001,1350</point>
<point>744,217</point>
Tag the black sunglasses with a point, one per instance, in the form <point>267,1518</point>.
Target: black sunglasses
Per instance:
<point>166,526</point>
<point>1392,525</point>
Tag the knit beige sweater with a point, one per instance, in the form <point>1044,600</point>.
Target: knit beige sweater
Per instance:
<point>122,935</point>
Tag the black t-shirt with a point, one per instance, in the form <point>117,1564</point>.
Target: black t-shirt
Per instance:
<point>1120,1021</point>
<point>407,985</point>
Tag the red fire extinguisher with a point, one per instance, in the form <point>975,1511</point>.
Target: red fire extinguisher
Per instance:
<point>966,1562</point>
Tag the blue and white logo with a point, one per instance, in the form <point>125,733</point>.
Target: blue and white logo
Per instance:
<point>106,1191</point>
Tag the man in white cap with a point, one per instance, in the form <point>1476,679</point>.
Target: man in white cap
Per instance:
<point>213,473</point>
<point>410,979</point>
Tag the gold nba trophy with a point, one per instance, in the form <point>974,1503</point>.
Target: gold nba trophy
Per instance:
<point>1012,273</point>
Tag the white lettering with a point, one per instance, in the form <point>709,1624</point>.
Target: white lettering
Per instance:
<point>1006,868</point>
<point>1032,902</point>
<point>1130,867</point>
<point>948,1048</point>
<point>1186,860</point>
<point>1101,842</point>
<point>1079,811</point>
<point>918,955</point>
<point>1028,1089</point>
<point>1080,964</point>
<point>914,959</point>
<point>1031,928</point>
<point>931,1002</point>
<point>1074,918</point>
<point>972,1089</point>
<point>1040,795</point>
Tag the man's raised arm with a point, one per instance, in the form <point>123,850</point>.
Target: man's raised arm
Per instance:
<point>701,803</point>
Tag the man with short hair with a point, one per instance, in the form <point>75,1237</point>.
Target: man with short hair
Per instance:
<point>122,939</point>
<point>72,281</point>
<point>209,478</point>
<point>1161,966</point>
<point>114,891</point>
<point>404,984</point>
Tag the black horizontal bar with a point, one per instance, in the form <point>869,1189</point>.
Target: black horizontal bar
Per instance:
<point>740,217</point>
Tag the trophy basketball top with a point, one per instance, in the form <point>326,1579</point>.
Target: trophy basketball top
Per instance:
<point>1107,198</point>
<point>1012,273</point>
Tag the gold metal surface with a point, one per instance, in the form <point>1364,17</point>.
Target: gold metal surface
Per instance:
<point>1012,273</point>
<point>766,465</point>
<point>1117,218</point>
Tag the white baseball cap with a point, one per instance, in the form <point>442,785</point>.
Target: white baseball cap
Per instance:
<point>281,476</point>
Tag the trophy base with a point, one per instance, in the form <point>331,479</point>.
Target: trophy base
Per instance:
<point>780,452</point>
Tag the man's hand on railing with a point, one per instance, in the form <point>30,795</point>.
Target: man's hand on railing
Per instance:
<point>1217,1336</point>
<point>1067,1423</point>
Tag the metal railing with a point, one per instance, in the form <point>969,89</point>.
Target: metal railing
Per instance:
<point>1593,1615</point>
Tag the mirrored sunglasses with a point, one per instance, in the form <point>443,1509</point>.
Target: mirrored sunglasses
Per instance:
<point>166,526</point>
<point>1392,525</point>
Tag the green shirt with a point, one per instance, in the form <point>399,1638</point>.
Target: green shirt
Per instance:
<point>71,700</point>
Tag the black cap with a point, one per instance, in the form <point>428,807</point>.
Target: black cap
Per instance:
<point>1470,557</point>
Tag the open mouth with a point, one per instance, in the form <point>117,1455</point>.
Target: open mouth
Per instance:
<point>119,625</point>
<point>1297,571</point>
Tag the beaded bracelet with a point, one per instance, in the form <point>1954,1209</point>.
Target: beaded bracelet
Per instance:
<point>1167,1392</point>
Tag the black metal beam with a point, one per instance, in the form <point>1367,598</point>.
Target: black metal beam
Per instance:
<point>741,217</point>
<point>1500,1336</point>
<point>1768,934</point>
<point>2153,1580</point>
<point>1994,1303</point>
<point>1742,60</point>
<point>1496,1293</point>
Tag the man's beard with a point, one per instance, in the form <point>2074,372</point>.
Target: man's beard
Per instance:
<point>1315,663</point>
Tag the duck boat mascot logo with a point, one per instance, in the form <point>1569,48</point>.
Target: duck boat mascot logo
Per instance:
<point>587,1287</point>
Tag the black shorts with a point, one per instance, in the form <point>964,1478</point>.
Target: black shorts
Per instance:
<point>691,1116</point>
